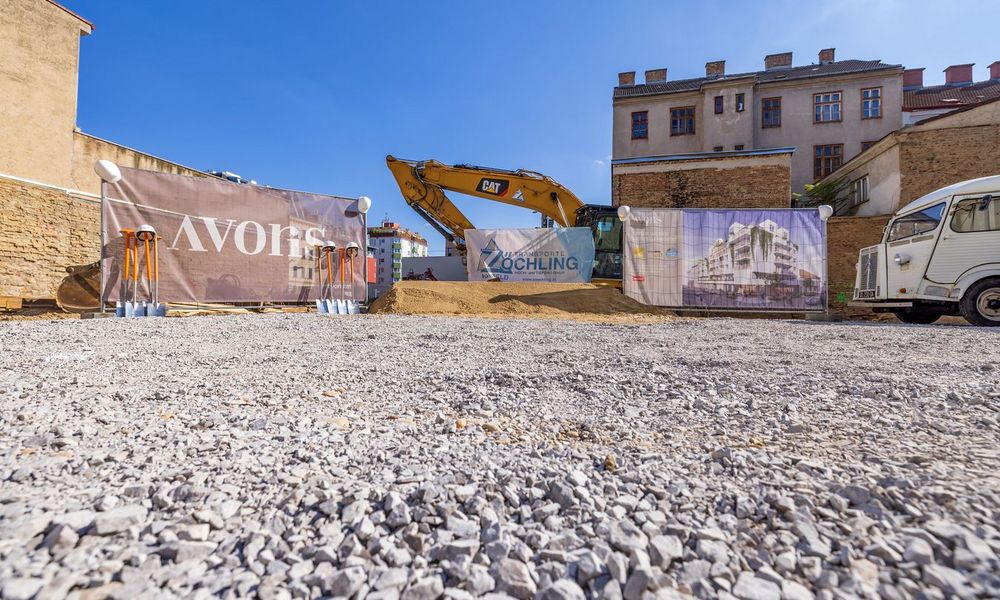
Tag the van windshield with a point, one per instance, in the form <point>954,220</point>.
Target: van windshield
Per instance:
<point>916,223</point>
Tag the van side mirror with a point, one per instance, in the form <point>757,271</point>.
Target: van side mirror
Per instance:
<point>984,202</point>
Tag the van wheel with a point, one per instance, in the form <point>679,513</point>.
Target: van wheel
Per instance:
<point>916,316</point>
<point>981,303</point>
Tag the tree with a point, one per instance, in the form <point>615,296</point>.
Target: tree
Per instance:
<point>826,192</point>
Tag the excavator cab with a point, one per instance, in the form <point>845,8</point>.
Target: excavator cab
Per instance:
<point>604,223</point>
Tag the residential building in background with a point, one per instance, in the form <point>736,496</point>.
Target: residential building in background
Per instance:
<point>390,242</point>
<point>828,111</point>
<point>919,159</point>
<point>958,91</point>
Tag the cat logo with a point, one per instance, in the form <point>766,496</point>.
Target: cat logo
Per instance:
<point>496,187</point>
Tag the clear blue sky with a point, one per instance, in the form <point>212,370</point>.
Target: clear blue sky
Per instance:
<point>312,95</point>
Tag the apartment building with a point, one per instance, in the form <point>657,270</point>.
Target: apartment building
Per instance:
<point>390,242</point>
<point>828,111</point>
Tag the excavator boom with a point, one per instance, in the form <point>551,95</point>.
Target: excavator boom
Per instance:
<point>423,184</point>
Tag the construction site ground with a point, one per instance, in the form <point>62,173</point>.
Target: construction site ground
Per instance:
<point>294,455</point>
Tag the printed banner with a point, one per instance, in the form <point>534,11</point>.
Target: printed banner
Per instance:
<point>228,242</point>
<point>564,255</point>
<point>728,259</point>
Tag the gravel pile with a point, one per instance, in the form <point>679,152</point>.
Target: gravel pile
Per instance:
<point>294,456</point>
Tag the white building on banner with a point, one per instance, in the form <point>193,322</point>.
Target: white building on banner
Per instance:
<point>753,255</point>
<point>390,243</point>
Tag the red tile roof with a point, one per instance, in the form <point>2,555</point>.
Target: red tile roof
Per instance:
<point>945,96</point>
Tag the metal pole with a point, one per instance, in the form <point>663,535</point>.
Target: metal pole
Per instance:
<point>364,238</point>
<point>100,261</point>
<point>826,270</point>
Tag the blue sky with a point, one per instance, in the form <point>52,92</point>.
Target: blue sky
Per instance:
<point>312,95</point>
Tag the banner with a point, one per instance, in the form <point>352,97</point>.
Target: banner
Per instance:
<point>728,259</point>
<point>228,242</point>
<point>564,255</point>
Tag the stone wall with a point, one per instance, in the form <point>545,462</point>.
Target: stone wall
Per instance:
<point>846,236</point>
<point>42,232</point>
<point>719,183</point>
<point>88,149</point>
<point>936,158</point>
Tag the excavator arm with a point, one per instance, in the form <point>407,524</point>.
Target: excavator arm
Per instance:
<point>423,183</point>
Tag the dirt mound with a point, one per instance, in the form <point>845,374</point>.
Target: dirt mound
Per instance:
<point>528,300</point>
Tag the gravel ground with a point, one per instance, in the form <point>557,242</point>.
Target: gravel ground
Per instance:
<point>298,456</point>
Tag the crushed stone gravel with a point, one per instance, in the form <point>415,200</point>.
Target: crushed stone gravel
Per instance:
<point>295,456</point>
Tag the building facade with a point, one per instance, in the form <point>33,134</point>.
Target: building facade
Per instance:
<point>390,242</point>
<point>828,111</point>
<point>934,153</point>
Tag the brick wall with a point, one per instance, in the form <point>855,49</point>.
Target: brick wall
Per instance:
<point>845,237</point>
<point>42,232</point>
<point>936,158</point>
<point>758,186</point>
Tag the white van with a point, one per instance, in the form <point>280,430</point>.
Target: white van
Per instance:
<point>940,255</point>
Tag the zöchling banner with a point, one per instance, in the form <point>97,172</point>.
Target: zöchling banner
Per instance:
<point>564,255</point>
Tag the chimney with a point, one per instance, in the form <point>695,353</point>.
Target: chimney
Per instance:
<point>776,61</point>
<point>826,56</point>
<point>913,78</point>
<point>656,76</point>
<point>995,70</point>
<point>716,68</point>
<point>626,78</point>
<point>958,74</point>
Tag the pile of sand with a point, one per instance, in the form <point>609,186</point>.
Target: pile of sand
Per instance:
<point>527,300</point>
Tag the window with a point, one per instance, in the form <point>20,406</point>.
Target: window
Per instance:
<point>871,103</point>
<point>866,145</point>
<point>718,105</point>
<point>826,107</point>
<point>717,149</point>
<point>640,125</point>
<point>738,147</point>
<point>739,102</point>
<point>682,120</point>
<point>916,223</point>
<point>977,214</point>
<point>859,191</point>
<point>827,159</point>
<point>770,112</point>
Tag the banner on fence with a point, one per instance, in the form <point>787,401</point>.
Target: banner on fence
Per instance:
<point>564,255</point>
<point>228,242</point>
<point>727,259</point>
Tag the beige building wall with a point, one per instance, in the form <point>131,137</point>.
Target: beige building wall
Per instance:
<point>88,149</point>
<point>925,157</point>
<point>39,55</point>
<point>731,127</point>
<point>660,141</point>
<point>797,127</point>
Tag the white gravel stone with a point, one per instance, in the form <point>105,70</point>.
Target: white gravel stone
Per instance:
<point>488,458</point>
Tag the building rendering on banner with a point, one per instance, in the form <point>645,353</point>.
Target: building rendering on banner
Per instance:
<point>829,111</point>
<point>391,242</point>
<point>753,255</point>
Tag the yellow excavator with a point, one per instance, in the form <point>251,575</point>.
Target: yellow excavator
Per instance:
<point>423,184</point>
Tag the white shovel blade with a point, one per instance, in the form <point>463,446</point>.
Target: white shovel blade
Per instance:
<point>321,307</point>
